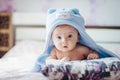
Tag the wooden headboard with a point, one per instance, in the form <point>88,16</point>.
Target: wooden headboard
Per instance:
<point>102,27</point>
<point>101,34</point>
<point>27,27</point>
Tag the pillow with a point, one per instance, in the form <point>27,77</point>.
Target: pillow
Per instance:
<point>97,69</point>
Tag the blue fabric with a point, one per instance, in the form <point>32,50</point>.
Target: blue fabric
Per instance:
<point>71,17</point>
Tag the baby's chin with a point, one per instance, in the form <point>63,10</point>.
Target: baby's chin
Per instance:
<point>65,50</point>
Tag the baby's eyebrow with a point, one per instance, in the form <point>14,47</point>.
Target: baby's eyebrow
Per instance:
<point>58,34</point>
<point>70,31</point>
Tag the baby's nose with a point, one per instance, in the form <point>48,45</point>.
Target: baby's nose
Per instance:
<point>64,40</point>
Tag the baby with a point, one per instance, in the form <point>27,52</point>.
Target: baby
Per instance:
<point>67,40</point>
<point>67,48</point>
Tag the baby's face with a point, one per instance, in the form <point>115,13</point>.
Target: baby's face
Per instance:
<point>65,38</point>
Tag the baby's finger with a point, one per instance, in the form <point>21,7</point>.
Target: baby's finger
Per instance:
<point>91,57</point>
<point>65,59</point>
<point>96,57</point>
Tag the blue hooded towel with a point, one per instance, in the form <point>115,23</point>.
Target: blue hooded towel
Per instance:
<point>70,17</point>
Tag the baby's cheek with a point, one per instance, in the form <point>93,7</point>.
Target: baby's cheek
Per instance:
<point>73,44</point>
<point>56,42</point>
<point>58,45</point>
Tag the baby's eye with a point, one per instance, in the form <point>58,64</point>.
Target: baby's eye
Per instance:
<point>69,36</point>
<point>59,37</point>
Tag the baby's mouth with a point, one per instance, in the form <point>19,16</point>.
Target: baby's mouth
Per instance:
<point>65,46</point>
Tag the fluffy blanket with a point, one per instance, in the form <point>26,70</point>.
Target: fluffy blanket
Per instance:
<point>98,69</point>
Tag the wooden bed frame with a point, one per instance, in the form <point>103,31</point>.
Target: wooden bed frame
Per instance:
<point>87,26</point>
<point>103,27</point>
<point>111,32</point>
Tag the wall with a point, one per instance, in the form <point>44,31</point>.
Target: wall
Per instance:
<point>27,14</point>
<point>95,12</point>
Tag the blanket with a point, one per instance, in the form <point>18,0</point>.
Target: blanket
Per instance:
<point>98,69</point>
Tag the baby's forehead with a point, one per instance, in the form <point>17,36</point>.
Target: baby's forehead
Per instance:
<point>65,26</point>
<point>64,29</point>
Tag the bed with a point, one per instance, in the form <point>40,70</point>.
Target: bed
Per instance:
<point>18,62</point>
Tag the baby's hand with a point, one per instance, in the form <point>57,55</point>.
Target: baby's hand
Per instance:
<point>92,56</point>
<point>64,59</point>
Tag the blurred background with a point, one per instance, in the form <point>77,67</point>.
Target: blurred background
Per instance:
<point>95,12</point>
<point>29,17</point>
<point>23,31</point>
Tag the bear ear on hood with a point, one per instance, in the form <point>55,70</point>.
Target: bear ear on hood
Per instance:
<point>75,11</point>
<point>50,11</point>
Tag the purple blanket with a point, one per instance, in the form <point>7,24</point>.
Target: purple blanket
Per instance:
<point>98,69</point>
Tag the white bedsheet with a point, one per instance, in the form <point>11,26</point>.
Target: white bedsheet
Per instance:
<point>18,63</point>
